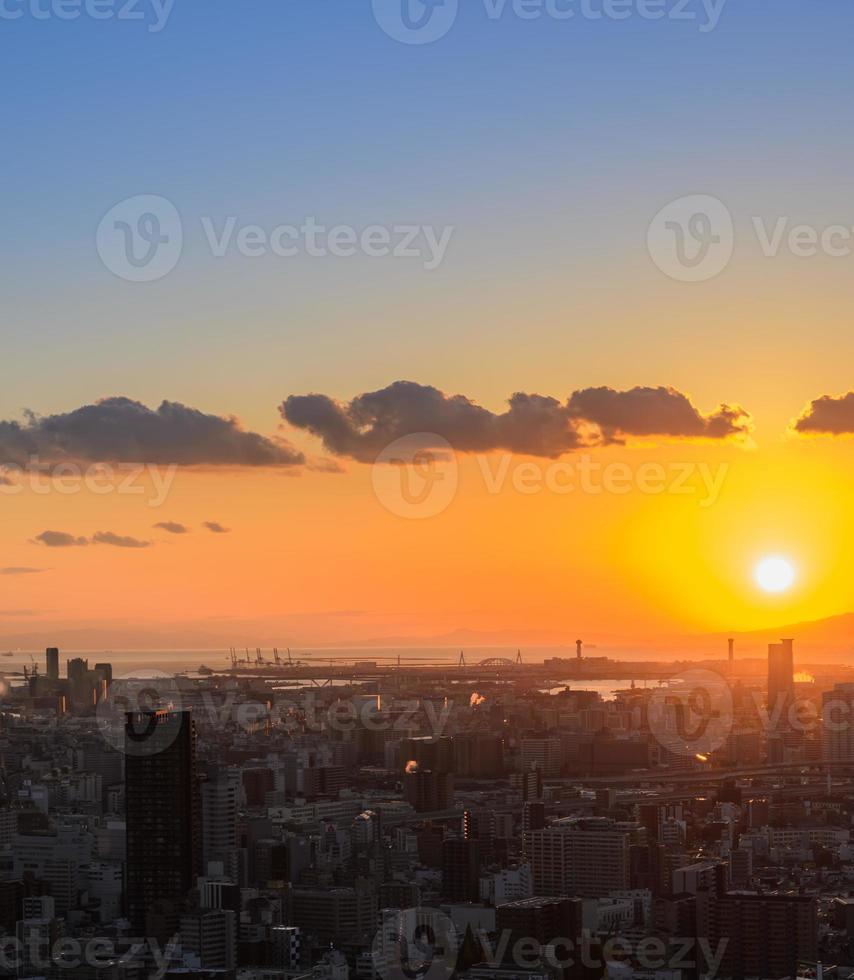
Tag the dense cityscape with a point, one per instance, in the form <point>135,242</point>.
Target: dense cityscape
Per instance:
<point>492,821</point>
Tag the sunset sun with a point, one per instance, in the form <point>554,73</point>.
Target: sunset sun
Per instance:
<point>775,574</point>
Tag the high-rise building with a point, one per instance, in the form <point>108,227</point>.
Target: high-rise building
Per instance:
<point>163,818</point>
<point>211,936</point>
<point>837,732</point>
<point>220,801</point>
<point>540,919</point>
<point>461,870</point>
<point>533,815</point>
<point>479,755</point>
<point>760,935</point>
<point>52,663</point>
<point>781,682</point>
<point>342,915</point>
<point>428,791</point>
<point>588,858</point>
<point>543,753</point>
<point>549,922</point>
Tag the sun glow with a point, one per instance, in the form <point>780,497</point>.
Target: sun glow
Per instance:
<point>775,574</point>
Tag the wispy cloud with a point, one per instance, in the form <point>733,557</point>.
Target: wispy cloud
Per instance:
<point>172,527</point>
<point>118,540</point>
<point>216,528</point>
<point>60,539</point>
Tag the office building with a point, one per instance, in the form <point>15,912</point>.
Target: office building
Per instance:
<point>587,858</point>
<point>163,818</point>
<point>461,870</point>
<point>428,791</point>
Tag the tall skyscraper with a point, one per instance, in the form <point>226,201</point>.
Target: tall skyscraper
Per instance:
<point>163,818</point>
<point>781,683</point>
<point>220,802</point>
<point>52,663</point>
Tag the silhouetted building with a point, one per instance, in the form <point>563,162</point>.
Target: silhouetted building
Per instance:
<point>428,791</point>
<point>781,683</point>
<point>163,818</point>
<point>461,870</point>
<point>52,663</point>
<point>551,922</point>
<point>765,935</point>
<point>837,732</point>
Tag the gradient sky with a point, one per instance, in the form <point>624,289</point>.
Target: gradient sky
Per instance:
<point>548,146</point>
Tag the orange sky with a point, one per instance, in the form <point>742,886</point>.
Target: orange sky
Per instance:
<point>318,557</point>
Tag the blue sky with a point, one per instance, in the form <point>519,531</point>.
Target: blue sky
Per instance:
<point>547,145</point>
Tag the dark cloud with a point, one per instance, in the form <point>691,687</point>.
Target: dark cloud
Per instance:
<point>172,527</point>
<point>216,528</point>
<point>18,570</point>
<point>60,539</point>
<point>119,430</point>
<point>828,415</point>
<point>118,540</point>
<point>654,412</point>
<point>533,425</point>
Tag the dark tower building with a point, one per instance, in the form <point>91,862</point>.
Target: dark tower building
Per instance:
<point>428,791</point>
<point>52,663</point>
<point>781,670</point>
<point>163,818</point>
<point>781,683</point>
<point>461,870</point>
<point>544,921</point>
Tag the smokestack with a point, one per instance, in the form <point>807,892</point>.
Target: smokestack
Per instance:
<point>578,646</point>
